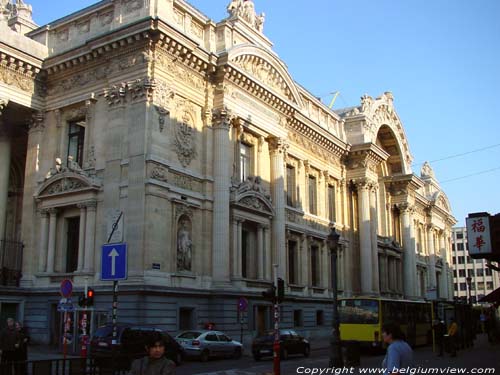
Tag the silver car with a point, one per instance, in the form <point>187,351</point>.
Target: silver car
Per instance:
<point>206,344</point>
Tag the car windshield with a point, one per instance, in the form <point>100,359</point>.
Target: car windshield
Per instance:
<point>189,335</point>
<point>359,311</point>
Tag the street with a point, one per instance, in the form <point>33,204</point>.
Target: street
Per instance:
<point>482,356</point>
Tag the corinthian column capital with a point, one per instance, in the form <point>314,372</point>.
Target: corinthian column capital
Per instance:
<point>277,145</point>
<point>222,118</point>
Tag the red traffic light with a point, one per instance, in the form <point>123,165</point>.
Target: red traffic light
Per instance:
<point>90,293</point>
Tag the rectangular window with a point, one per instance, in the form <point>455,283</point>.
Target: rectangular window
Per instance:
<point>470,273</point>
<point>480,285</point>
<point>315,265</point>
<point>460,235</point>
<point>488,271</point>
<point>480,272</point>
<point>461,273</point>
<point>460,246</point>
<point>456,286</point>
<point>72,239</point>
<point>320,319</point>
<point>312,195</point>
<point>186,318</point>
<point>461,260</point>
<point>290,185</point>
<point>489,285</point>
<point>469,259</point>
<point>463,286</point>
<point>331,203</point>
<point>245,161</point>
<point>297,318</point>
<point>292,262</point>
<point>76,138</point>
<point>454,273</point>
<point>452,247</point>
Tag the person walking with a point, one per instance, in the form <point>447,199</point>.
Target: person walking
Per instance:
<point>439,332</point>
<point>155,363</point>
<point>21,353</point>
<point>399,354</point>
<point>452,337</point>
<point>9,343</point>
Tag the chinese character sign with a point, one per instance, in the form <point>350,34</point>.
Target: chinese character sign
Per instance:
<point>478,235</point>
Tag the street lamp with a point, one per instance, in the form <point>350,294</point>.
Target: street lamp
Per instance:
<point>469,284</point>
<point>336,360</point>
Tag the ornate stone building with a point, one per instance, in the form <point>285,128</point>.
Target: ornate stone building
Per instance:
<point>220,164</point>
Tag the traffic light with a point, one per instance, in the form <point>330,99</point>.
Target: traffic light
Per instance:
<point>82,301</point>
<point>281,290</point>
<point>270,294</point>
<point>90,297</point>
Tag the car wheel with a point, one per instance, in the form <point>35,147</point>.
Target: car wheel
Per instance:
<point>204,356</point>
<point>307,351</point>
<point>256,357</point>
<point>284,354</point>
<point>237,353</point>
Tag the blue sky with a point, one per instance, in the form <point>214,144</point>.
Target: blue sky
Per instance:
<point>440,59</point>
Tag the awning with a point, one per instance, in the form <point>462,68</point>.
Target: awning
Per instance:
<point>493,297</point>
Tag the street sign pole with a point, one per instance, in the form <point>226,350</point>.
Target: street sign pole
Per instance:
<point>276,346</point>
<point>115,296</point>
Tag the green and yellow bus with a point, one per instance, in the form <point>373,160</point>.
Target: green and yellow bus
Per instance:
<point>361,320</point>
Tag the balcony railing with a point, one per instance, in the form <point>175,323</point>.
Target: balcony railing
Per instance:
<point>11,261</point>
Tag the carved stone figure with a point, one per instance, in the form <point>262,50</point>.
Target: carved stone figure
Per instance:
<point>259,22</point>
<point>253,183</point>
<point>427,171</point>
<point>184,245</point>
<point>248,12</point>
<point>234,7</point>
<point>58,168</point>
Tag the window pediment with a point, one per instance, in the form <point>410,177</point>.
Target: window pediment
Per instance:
<point>67,182</point>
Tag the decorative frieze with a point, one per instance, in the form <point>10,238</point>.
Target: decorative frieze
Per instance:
<point>164,61</point>
<point>185,133</point>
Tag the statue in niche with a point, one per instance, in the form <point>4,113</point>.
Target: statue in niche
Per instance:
<point>184,245</point>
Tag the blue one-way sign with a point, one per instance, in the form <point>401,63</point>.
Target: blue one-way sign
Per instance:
<point>114,262</point>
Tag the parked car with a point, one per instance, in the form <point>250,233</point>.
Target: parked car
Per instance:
<point>206,344</point>
<point>131,342</point>
<point>290,343</point>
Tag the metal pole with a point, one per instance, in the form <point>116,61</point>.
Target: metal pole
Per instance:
<point>114,340</point>
<point>335,348</point>
<point>276,346</point>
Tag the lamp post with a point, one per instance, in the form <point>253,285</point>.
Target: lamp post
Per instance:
<point>469,285</point>
<point>336,360</point>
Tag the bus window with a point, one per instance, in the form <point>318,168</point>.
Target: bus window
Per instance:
<point>358,311</point>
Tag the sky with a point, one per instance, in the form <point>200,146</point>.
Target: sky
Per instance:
<point>439,58</point>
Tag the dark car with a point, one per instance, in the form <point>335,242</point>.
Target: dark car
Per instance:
<point>290,343</point>
<point>131,342</point>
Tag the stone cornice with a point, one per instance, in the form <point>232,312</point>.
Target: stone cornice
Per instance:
<point>407,182</point>
<point>96,48</point>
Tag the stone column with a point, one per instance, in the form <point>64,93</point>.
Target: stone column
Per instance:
<point>5,151</point>
<point>90,237</point>
<point>432,256</point>
<point>235,248</point>
<point>268,254</point>
<point>277,149</point>
<point>304,260</point>
<point>409,258</point>
<point>43,245</point>
<point>51,253</point>
<point>324,265</point>
<point>260,252</point>
<point>365,238</point>
<point>373,230</point>
<point>222,182</point>
<point>384,273</point>
<point>444,270</point>
<point>239,249</point>
<point>81,237</point>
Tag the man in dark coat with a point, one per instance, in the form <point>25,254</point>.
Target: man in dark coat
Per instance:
<point>439,332</point>
<point>9,343</point>
<point>155,362</point>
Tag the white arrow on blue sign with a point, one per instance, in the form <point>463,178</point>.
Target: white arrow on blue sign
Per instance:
<point>114,262</point>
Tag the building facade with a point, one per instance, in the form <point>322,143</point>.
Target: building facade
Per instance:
<point>223,171</point>
<point>482,279</point>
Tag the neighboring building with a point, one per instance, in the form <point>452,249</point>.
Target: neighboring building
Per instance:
<point>220,163</point>
<point>483,279</point>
